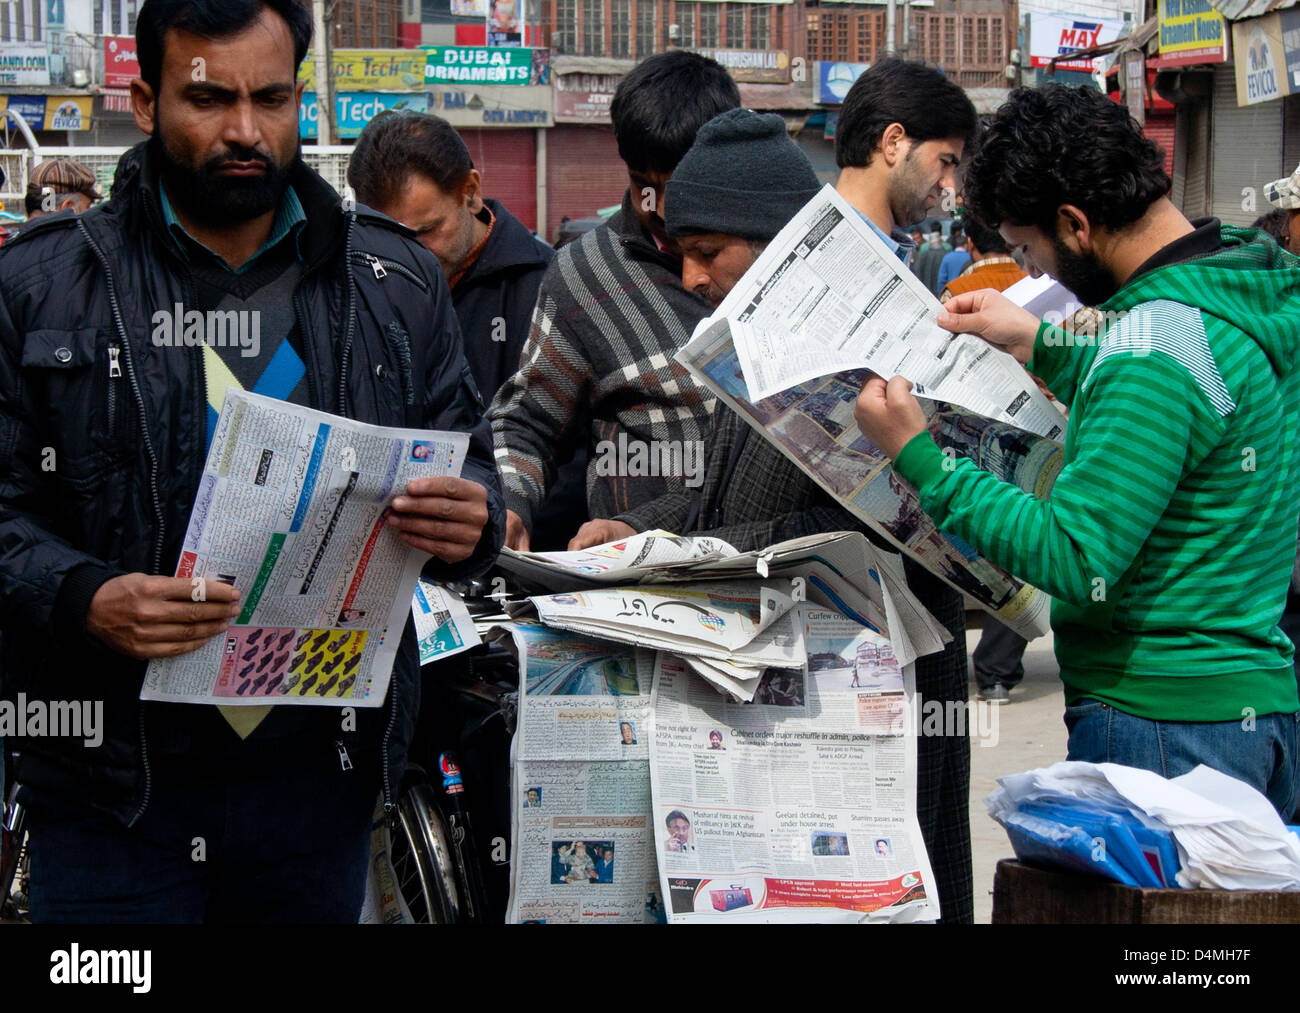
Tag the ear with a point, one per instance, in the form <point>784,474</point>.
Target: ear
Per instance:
<point>472,192</point>
<point>894,144</point>
<point>143,106</point>
<point>1075,230</point>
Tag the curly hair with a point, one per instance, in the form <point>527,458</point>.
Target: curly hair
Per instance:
<point>1056,145</point>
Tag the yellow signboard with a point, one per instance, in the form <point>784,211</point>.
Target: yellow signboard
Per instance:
<point>1262,63</point>
<point>370,70</point>
<point>67,112</point>
<point>1191,31</point>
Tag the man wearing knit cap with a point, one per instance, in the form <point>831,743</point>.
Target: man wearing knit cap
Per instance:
<point>736,188</point>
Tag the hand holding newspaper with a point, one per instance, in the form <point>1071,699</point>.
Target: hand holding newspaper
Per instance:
<point>787,349</point>
<point>292,509</point>
<point>827,296</point>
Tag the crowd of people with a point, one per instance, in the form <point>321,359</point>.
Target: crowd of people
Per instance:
<point>1167,558</point>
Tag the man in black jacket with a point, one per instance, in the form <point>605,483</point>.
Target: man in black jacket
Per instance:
<point>185,812</point>
<point>416,169</point>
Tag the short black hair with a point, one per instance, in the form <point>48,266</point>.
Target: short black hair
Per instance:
<point>661,104</point>
<point>983,238</point>
<point>676,814</point>
<point>926,103</point>
<point>211,19</point>
<point>956,236</point>
<point>1274,223</point>
<point>1055,145</point>
<point>396,144</point>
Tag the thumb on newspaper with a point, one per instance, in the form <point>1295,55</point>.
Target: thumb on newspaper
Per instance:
<point>887,413</point>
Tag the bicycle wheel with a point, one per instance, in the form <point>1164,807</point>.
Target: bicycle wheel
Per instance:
<point>13,865</point>
<point>421,856</point>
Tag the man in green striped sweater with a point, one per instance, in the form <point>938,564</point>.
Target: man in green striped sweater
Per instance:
<point>1168,540</point>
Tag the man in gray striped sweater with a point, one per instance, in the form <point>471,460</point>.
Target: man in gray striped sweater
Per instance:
<point>611,312</point>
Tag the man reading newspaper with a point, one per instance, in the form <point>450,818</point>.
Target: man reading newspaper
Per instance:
<point>1167,543</point>
<point>752,495</point>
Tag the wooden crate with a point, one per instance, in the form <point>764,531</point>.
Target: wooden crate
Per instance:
<point>1024,895</point>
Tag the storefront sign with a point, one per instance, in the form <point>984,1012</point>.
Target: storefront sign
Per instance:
<point>24,63</point>
<point>1191,31</point>
<point>584,98</point>
<point>505,23</point>
<point>120,63</point>
<point>1290,19</point>
<point>1054,35</point>
<point>754,66</point>
<point>478,65</point>
<point>370,70</point>
<point>68,112</point>
<point>51,112</point>
<point>835,79</point>
<point>489,107</point>
<point>1260,61</point>
<point>1135,79</point>
<point>353,110</point>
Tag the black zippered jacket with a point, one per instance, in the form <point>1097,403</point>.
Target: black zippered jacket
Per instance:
<point>99,465</point>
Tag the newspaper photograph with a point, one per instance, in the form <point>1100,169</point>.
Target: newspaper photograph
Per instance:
<point>798,806</point>
<point>828,296</point>
<point>582,848</point>
<point>292,510</point>
<point>443,625</point>
<point>813,425</point>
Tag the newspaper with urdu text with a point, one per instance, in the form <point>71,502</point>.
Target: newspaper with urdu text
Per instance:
<point>792,344</point>
<point>292,510</point>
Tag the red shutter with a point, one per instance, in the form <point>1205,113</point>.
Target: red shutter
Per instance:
<point>1159,127</point>
<point>584,173</point>
<point>507,161</point>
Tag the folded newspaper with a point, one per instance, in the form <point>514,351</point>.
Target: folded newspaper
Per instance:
<point>791,345</point>
<point>292,509</point>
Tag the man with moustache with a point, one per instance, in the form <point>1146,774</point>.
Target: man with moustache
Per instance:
<point>105,433</point>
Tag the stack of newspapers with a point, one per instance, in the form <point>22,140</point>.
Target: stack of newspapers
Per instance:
<point>710,735</point>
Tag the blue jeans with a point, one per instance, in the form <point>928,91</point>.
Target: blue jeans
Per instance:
<point>1266,757</point>
<point>284,841</point>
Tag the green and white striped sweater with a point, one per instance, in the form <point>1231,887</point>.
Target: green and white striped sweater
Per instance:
<point>1168,539</point>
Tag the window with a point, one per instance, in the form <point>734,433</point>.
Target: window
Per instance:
<point>620,29</point>
<point>759,28</point>
<point>708,25</point>
<point>645,28</point>
<point>685,20</point>
<point>736,26</point>
<point>565,37</point>
<point>593,28</point>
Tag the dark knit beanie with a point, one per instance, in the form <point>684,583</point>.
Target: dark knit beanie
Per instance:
<point>743,176</point>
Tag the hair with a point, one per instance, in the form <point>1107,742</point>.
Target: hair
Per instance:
<point>926,103</point>
<point>956,236</point>
<point>1274,223</point>
<point>676,814</point>
<point>1056,145</point>
<point>394,145</point>
<point>983,238</point>
<point>211,19</point>
<point>662,103</point>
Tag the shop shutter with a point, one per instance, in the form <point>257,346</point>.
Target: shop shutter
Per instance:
<point>1247,150</point>
<point>1160,128</point>
<point>507,161</point>
<point>584,173</point>
<point>1291,135</point>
